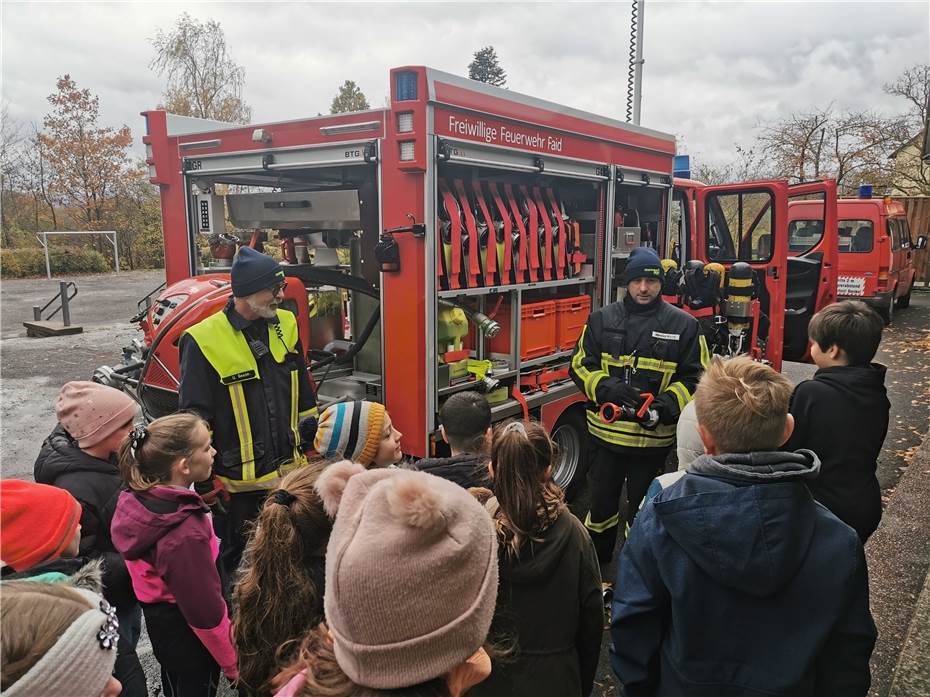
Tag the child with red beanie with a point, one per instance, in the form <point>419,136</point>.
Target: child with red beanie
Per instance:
<point>79,455</point>
<point>38,524</point>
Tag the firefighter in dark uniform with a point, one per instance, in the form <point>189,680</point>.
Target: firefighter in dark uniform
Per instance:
<point>244,371</point>
<point>640,345</point>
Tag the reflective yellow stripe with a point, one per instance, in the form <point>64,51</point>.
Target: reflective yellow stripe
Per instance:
<point>665,367</point>
<point>265,482</point>
<point>681,394</point>
<point>611,522</point>
<point>243,430</point>
<point>705,354</point>
<point>312,411</point>
<point>589,378</point>
<point>294,387</point>
<point>629,434</point>
<point>666,379</point>
<point>590,387</point>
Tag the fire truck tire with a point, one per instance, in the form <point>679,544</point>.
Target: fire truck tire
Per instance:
<point>905,300</point>
<point>571,436</point>
<point>887,312</point>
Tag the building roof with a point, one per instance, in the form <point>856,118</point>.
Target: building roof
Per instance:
<point>914,140</point>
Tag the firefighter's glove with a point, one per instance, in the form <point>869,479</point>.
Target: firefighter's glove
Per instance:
<point>213,493</point>
<point>650,420</point>
<point>306,429</point>
<point>616,391</point>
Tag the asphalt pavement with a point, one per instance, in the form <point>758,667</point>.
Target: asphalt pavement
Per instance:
<point>32,371</point>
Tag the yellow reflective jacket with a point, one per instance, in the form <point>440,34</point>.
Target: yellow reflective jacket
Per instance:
<point>252,399</point>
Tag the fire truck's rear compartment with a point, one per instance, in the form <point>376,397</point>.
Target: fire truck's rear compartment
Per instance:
<point>520,263</point>
<point>327,223</point>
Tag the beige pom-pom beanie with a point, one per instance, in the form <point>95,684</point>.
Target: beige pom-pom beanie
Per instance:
<point>411,574</point>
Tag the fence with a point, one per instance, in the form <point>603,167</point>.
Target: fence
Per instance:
<point>918,220</point>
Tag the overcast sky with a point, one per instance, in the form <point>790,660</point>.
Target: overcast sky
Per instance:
<point>713,71</point>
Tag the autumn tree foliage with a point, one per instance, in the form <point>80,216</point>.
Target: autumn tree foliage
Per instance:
<point>88,162</point>
<point>485,67</point>
<point>203,79</point>
<point>349,98</point>
<point>72,173</point>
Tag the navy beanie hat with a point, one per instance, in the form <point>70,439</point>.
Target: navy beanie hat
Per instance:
<point>643,263</point>
<point>253,271</point>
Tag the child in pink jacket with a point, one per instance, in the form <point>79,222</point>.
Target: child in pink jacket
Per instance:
<point>164,530</point>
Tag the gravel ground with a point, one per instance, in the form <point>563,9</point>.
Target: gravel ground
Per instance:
<point>32,371</point>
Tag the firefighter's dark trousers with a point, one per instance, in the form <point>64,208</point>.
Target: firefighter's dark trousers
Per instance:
<point>233,529</point>
<point>607,472</point>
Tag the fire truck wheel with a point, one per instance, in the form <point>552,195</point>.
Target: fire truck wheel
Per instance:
<point>905,300</point>
<point>887,312</point>
<point>571,436</point>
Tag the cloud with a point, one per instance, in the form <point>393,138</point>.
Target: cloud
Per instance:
<point>713,72</point>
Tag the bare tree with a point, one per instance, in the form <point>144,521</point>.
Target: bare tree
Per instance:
<point>37,177</point>
<point>851,147</point>
<point>748,165</point>
<point>911,175</point>
<point>203,80</point>
<point>795,144</point>
<point>10,160</point>
<point>914,85</point>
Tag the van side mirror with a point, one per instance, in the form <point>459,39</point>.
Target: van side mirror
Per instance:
<point>921,242</point>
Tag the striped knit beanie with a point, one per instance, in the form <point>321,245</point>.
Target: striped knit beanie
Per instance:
<point>350,431</point>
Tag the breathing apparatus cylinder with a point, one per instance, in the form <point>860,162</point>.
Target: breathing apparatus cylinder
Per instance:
<point>740,290</point>
<point>671,278</point>
<point>718,269</point>
<point>694,290</point>
<point>695,265</point>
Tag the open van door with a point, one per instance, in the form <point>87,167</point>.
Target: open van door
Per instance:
<point>747,222</point>
<point>813,261</point>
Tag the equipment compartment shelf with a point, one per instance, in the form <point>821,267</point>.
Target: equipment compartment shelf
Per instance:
<point>545,359</point>
<point>487,290</point>
<point>471,384</point>
<point>512,408</point>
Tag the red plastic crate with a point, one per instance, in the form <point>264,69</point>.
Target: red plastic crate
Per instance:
<point>537,330</point>
<point>571,314</point>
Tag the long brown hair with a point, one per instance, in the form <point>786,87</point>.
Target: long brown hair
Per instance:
<point>34,616</point>
<point>324,677</point>
<point>521,452</point>
<point>275,599</point>
<point>147,454</point>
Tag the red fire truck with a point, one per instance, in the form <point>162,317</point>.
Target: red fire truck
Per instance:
<point>455,239</point>
<point>876,250</point>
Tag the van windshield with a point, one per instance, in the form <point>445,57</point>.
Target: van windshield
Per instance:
<point>856,235</point>
<point>804,235</point>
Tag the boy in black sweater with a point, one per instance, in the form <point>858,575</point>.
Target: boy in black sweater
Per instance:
<point>465,420</point>
<point>842,413</point>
